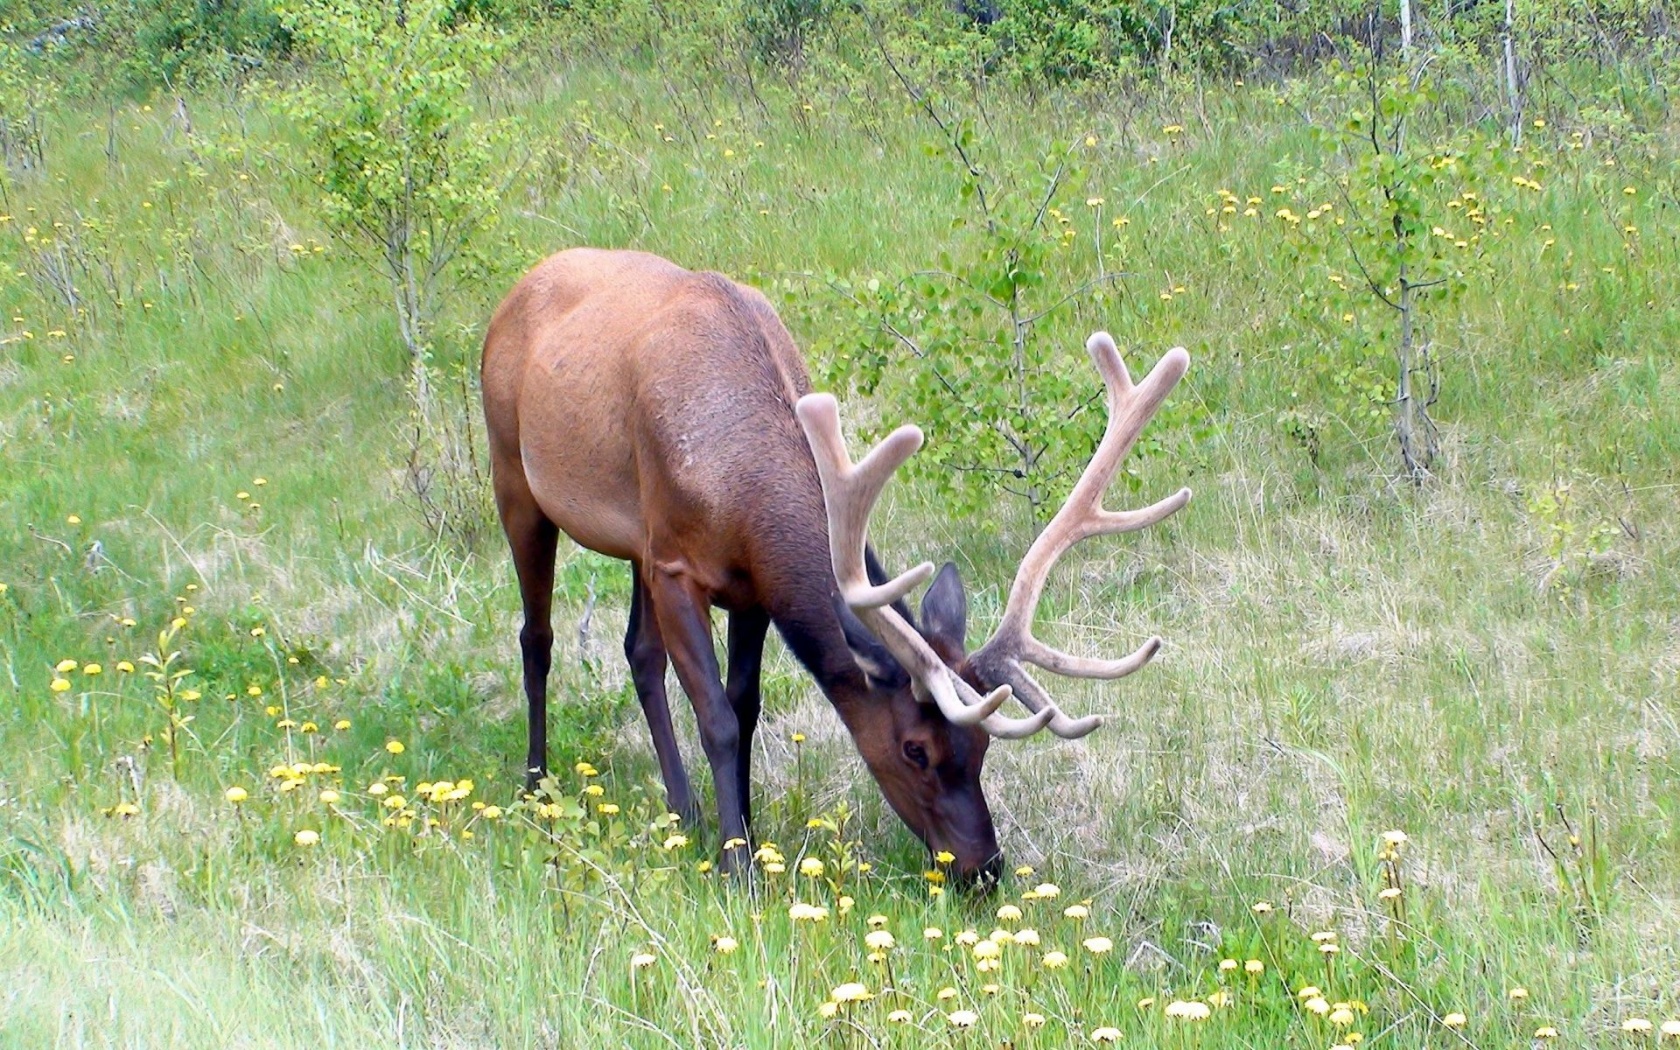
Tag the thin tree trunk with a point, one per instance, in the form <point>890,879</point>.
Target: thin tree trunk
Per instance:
<point>1511,96</point>
<point>1406,31</point>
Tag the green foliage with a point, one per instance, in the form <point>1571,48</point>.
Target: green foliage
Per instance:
<point>180,41</point>
<point>409,175</point>
<point>27,92</point>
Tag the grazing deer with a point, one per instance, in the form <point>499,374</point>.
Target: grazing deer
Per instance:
<point>665,417</point>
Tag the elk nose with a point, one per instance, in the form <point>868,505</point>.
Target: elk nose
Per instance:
<point>981,876</point>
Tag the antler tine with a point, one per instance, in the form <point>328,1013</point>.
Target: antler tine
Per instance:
<point>849,494</point>
<point>1130,408</point>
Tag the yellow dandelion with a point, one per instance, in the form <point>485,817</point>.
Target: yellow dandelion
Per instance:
<point>1027,937</point>
<point>1395,839</point>
<point>1636,1024</point>
<point>879,940</point>
<point>1671,1029</point>
<point>395,747</point>
<point>1455,1020</point>
<point>932,933</point>
<point>1188,1010</point>
<point>1105,1035</point>
<point>329,797</point>
<point>125,667</point>
<point>236,794</point>
<point>851,992</point>
<point>900,1017</point>
<point>811,868</point>
<point>1317,1005</point>
<point>963,1018</point>
<point>1341,1017</point>
<point>1517,995</point>
<point>60,685</point>
<point>1254,967</point>
<point>1077,911</point>
<point>1262,908</point>
<point>1055,960</point>
<point>1098,945</point>
<point>987,949</point>
<point>642,960</point>
<point>1009,913</point>
<point>945,994</point>
<point>307,838</point>
<point>65,666</point>
<point>1545,1031</point>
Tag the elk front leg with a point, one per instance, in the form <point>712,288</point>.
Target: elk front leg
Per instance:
<point>644,648</point>
<point>683,612</point>
<point>746,658</point>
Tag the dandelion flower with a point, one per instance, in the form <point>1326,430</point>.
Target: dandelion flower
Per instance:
<point>1189,1010</point>
<point>1671,1029</point>
<point>968,938</point>
<point>899,1017</point>
<point>963,1018</point>
<point>1262,908</point>
<point>932,933</point>
<point>1054,960</point>
<point>987,949</point>
<point>851,992</point>
<point>1395,839</point>
<point>879,940</point>
<point>1105,1035</point>
<point>675,841</point>
<point>1098,945</point>
<point>60,685</point>
<point>1389,894</point>
<point>125,667</point>
<point>329,797</point>
<point>1636,1024</point>
<point>307,838</point>
<point>1318,1005</point>
<point>1047,891</point>
<point>945,993</point>
<point>1545,1031</point>
<point>1027,937</point>
<point>1146,1002</point>
<point>236,794</point>
<point>944,856</point>
<point>395,747</point>
<point>1009,913</point>
<point>1254,967</point>
<point>1517,995</point>
<point>1341,1017</point>
<point>811,868</point>
<point>1077,911</point>
<point>642,960</point>
<point>1311,991</point>
<point>1455,1020</point>
<point>92,669</point>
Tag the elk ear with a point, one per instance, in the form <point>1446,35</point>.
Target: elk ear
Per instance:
<point>873,659</point>
<point>945,609</point>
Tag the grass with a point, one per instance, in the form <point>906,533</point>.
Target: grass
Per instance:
<point>1485,663</point>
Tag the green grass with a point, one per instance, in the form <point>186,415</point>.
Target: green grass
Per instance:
<point>1487,662</point>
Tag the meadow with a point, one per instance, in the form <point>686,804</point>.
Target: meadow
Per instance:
<point>1407,773</point>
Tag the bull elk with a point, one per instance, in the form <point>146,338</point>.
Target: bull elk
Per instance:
<point>665,417</point>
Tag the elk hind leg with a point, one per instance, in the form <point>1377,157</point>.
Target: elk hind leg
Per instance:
<point>534,540</point>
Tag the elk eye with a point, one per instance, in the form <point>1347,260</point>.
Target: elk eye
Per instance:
<point>916,753</point>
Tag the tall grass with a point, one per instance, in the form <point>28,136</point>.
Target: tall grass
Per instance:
<point>1485,663</point>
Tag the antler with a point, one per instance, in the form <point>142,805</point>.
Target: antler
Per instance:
<point>1129,410</point>
<point>849,492</point>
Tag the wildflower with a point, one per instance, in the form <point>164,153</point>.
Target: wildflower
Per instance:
<point>937,878</point>
<point>1254,967</point>
<point>307,838</point>
<point>1545,1031</point>
<point>1671,1029</point>
<point>987,949</point>
<point>1636,1024</point>
<point>607,809</point>
<point>1047,891</point>
<point>1324,936</point>
<point>1105,1035</point>
<point>967,938</point>
<point>1395,839</point>
<point>1341,1017</point>
<point>945,993</point>
<point>1311,991</point>
<point>851,992</point>
<point>811,868</point>
<point>1032,1020</point>
<point>879,940</point>
<point>1098,945</point>
<point>1023,871</point>
<point>60,685</point>
<point>1262,908</point>
<point>899,1017</point>
<point>675,841</point>
<point>1027,937</point>
<point>1317,1005</point>
<point>125,667</point>
<point>642,960</point>
<point>377,789</point>
<point>236,794</point>
<point>1054,960</point>
<point>1189,1011</point>
<point>1517,995</point>
<point>1455,1020</point>
<point>963,1018</point>
<point>1227,966</point>
<point>342,724</point>
<point>1391,893</point>
<point>492,812</point>
<point>92,669</point>
<point>1146,1002</point>
<point>1329,948</point>
<point>395,747</point>
<point>329,797</point>
<point>798,738</point>
<point>1076,911</point>
<point>1009,913</point>
<point>807,912</point>
<point>1221,999</point>
<point>944,856</point>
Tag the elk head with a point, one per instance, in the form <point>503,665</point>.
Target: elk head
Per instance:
<point>926,739</point>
